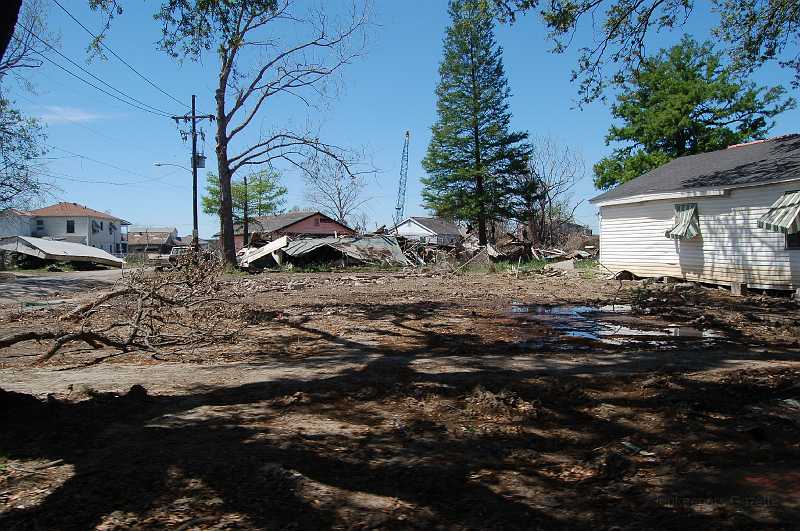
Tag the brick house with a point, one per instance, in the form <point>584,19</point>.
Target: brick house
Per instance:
<point>265,229</point>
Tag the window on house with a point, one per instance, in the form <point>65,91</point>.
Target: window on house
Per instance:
<point>793,241</point>
<point>70,226</point>
<point>101,225</point>
<point>40,223</point>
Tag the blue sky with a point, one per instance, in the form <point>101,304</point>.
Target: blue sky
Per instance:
<point>385,93</point>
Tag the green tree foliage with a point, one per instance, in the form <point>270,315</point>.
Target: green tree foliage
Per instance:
<point>472,153</point>
<point>762,30</point>
<point>754,31</point>
<point>684,101</point>
<point>21,144</point>
<point>264,195</point>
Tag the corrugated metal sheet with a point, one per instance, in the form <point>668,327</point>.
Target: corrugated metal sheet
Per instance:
<point>376,248</point>
<point>58,250</point>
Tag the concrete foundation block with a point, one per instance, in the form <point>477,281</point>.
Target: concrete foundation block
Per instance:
<point>738,289</point>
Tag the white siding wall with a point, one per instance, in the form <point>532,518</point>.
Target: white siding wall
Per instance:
<point>102,239</point>
<point>56,227</point>
<point>14,225</point>
<point>413,231</point>
<point>731,247</point>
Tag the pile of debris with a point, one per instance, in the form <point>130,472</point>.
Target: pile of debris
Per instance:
<point>344,251</point>
<point>160,312</point>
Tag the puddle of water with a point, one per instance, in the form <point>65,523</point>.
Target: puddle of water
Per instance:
<point>569,310</point>
<point>611,324</point>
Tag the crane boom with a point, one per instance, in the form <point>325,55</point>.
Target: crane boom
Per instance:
<point>401,190</point>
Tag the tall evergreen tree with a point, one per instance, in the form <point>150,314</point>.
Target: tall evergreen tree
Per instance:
<point>472,152</point>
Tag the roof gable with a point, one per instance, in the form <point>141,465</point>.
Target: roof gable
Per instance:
<point>437,225</point>
<point>759,162</point>
<point>268,224</point>
<point>412,221</point>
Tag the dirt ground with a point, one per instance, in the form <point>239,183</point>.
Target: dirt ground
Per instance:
<point>418,401</point>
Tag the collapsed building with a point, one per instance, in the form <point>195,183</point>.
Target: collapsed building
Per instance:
<point>356,250</point>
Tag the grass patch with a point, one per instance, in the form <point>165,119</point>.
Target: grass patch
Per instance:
<point>588,268</point>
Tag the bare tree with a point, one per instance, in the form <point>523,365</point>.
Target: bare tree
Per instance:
<point>266,49</point>
<point>361,222</point>
<point>543,201</point>
<point>21,137</point>
<point>334,190</point>
<point>9,13</point>
<point>29,40</point>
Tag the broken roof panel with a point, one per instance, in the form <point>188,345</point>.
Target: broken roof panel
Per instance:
<point>378,248</point>
<point>58,250</point>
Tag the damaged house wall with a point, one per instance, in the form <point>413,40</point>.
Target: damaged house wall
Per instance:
<point>730,248</point>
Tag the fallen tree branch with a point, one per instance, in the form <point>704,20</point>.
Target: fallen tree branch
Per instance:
<point>187,305</point>
<point>87,336</point>
<point>81,310</point>
<point>28,336</point>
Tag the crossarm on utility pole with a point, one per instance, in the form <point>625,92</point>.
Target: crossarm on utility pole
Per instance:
<point>193,118</point>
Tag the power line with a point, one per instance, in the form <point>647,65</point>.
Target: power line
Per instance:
<point>141,105</point>
<point>101,90</point>
<point>67,177</point>
<point>118,57</point>
<point>108,164</point>
<point>78,123</point>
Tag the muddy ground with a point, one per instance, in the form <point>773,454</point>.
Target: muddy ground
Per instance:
<point>418,401</point>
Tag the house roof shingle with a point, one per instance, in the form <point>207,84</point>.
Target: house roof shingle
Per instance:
<point>437,225</point>
<point>148,238</point>
<point>775,159</point>
<point>268,224</point>
<point>65,209</point>
<point>151,230</point>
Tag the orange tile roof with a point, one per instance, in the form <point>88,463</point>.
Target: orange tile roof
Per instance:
<point>72,209</point>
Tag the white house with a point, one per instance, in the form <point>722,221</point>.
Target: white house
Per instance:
<point>429,230</point>
<point>69,222</point>
<point>15,222</point>
<point>726,217</point>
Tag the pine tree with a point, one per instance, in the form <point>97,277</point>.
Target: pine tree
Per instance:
<point>683,101</point>
<point>472,153</point>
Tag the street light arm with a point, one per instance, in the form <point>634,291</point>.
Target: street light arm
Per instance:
<point>159,164</point>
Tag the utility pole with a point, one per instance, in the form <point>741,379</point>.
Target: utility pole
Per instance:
<point>195,159</point>
<point>246,241</point>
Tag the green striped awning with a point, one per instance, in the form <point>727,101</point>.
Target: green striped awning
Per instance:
<point>687,223</point>
<point>783,215</point>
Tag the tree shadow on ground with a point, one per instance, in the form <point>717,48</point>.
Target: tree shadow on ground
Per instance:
<point>389,446</point>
